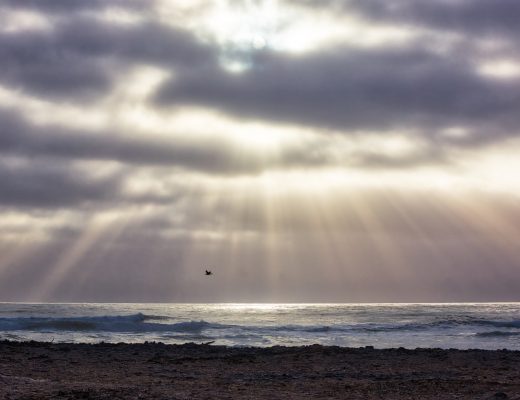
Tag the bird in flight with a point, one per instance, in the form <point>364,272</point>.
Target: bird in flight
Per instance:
<point>208,273</point>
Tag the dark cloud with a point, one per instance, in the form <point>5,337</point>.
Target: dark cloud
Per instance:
<point>32,62</point>
<point>67,6</point>
<point>28,182</point>
<point>351,89</point>
<point>82,56</point>
<point>21,138</point>
<point>466,16</point>
<point>45,186</point>
<point>145,42</point>
<point>211,156</point>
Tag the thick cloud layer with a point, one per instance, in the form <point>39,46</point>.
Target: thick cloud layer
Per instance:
<point>354,144</point>
<point>47,187</point>
<point>352,89</point>
<point>476,17</point>
<point>81,56</point>
<point>52,6</point>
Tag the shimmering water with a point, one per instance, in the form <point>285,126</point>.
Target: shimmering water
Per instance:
<point>476,325</point>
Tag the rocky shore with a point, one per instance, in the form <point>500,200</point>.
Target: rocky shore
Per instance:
<point>34,370</point>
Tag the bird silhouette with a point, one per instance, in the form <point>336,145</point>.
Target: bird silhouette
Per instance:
<point>208,273</point>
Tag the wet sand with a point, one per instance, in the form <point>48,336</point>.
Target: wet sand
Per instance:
<point>35,370</point>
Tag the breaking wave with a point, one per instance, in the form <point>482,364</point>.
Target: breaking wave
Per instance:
<point>139,322</point>
<point>169,325</point>
<point>119,323</point>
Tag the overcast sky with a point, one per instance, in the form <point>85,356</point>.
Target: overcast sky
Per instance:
<point>303,150</point>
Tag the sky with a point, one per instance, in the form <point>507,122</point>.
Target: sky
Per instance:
<point>303,150</point>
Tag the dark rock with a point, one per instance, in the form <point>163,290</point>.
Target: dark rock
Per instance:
<point>498,396</point>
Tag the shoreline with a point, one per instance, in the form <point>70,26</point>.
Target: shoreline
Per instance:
<point>152,370</point>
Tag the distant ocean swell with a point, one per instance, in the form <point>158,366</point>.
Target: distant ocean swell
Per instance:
<point>447,323</point>
<point>498,333</point>
<point>142,323</point>
<point>119,323</point>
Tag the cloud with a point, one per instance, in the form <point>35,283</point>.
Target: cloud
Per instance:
<point>349,89</point>
<point>465,16</point>
<point>407,87</point>
<point>69,6</point>
<point>44,186</point>
<point>215,155</point>
<point>147,41</point>
<point>81,56</point>
<point>32,62</point>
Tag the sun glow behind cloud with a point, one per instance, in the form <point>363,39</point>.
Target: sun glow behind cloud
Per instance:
<point>241,29</point>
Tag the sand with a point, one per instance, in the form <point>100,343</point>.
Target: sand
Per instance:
<point>35,370</point>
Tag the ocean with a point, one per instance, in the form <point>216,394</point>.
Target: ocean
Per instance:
<point>461,326</point>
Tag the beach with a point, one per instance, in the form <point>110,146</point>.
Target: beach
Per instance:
<point>36,370</point>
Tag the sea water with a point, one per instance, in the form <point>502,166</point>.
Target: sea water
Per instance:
<point>462,326</point>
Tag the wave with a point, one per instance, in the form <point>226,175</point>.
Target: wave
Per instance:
<point>136,323</point>
<point>293,328</point>
<point>497,333</point>
<point>440,324</point>
<point>500,324</point>
<point>142,323</point>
